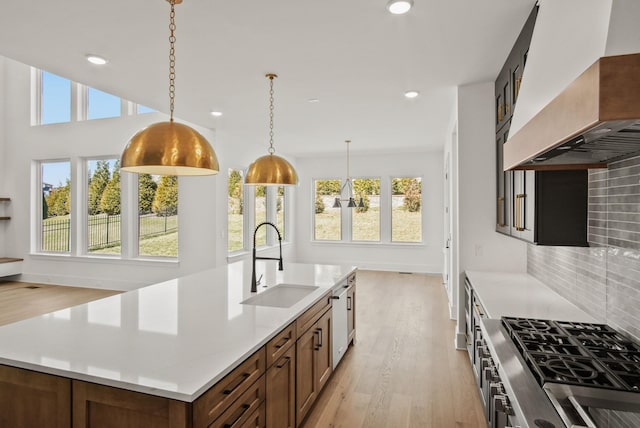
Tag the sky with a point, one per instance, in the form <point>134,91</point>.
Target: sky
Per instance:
<point>56,108</point>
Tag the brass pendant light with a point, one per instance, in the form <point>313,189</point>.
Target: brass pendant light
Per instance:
<point>271,170</point>
<point>169,148</point>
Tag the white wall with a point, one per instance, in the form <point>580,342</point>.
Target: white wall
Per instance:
<point>3,209</point>
<point>478,245</point>
<point>422,258</point>
<point>199,208</point>
<point>568,37</point>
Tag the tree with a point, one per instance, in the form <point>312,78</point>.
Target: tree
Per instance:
<point>45,207</point>
<point>235,191</point>
<point>166,201</point>
<point>59,200</point>
<point>97,184</point>
<point>319,204</point>
<point>412,196</point>
<point>146,193</point>
<point>327,187</point>
<point>110,201</point>
<point>399,185</point>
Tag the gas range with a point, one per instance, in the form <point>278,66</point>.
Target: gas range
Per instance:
<point>580,366</point>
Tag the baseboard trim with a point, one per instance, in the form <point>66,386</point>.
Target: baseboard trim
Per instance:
<point>461,341</point>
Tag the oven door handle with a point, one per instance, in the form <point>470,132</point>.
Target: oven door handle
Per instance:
<point>583,414</point>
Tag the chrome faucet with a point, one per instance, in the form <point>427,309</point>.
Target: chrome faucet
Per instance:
<point>254,283</point>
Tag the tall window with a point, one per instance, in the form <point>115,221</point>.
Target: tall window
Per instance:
<point>55,182</point>
<point>101,105</point>
<point>406,209</point>
<point>280,207</point>
<point>327,223</point>
<point>103,206</point>
<point>235,211</point>
<point>260,209</point>
<point>144,109</point>
<point>365,221</point>
<point>55,99</point>
<point>157,215</point>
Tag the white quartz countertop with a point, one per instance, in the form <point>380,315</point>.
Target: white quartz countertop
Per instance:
<point>174,339</point>
<point>521,295</point>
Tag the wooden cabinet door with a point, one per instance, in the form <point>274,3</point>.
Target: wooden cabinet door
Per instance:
<point>98,406</point>
<point>323,352</point>
<point>351,313</point>
<point>306,385</point>
<point>31,399</point>
<point>281,391</point>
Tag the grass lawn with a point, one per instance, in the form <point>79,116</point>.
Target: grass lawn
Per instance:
<point>160,246</point>
<point>406,226</point>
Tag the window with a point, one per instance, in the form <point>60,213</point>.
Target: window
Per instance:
<point>144,109</point>
<point>280,214</point>
<point>99,182</point>
<point>260,210</point>
<point>55,182</point>
<point>406,209</point>
<point>55,99</point>
<point>365,221</point>
<point>327,222</point>
<point>101,105</point>
<point>235,220</point>
<point>391,213</point>
<point>157,215</point>
<point>103,206</point>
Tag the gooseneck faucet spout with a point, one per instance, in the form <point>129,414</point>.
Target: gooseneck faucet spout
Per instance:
<point>254,283</point>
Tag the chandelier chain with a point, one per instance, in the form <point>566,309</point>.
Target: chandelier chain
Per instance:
<point>172,57</point>
<point>271,149</point>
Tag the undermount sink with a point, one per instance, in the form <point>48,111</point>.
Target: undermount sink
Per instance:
<point>281,295</point>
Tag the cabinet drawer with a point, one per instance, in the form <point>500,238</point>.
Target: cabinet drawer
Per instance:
<point>219,397</point>
<point>257,419</point>
<point>279,344</point>
<point>242,413</point>
<point>307,319</point>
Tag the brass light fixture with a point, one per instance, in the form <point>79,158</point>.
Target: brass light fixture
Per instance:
<point>271,169</point>
<point>349,186</point>
<point>169,148</point>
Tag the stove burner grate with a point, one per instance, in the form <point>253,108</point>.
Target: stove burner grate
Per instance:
<point>546,343</point>
<point>571,370</point>
<point>515,325</point>
<point>628,372</point>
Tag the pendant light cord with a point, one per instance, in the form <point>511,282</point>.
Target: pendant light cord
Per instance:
<point>172,57</point>
<point>272,150</point>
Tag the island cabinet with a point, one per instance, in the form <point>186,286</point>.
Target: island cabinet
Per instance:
<point>234,399</point>
<point>99,406</point>
<point>30,399</point>
<point>313,356</point>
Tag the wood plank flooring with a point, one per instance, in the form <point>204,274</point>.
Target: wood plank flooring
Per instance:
<point>22,300</point>
<point>403,370</point>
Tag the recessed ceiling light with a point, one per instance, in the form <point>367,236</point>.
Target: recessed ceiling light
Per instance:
<point>411,94</point>
<point>398,7</point>
<point>95,59</point>
<point>216,113</point>
<point>313,100</point>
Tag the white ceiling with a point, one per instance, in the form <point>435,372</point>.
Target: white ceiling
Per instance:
<point>352,55</point>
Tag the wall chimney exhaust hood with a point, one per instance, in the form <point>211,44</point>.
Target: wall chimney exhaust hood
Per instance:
<point>595,120</point>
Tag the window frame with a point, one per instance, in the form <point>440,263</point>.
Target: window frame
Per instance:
<point>386,216</point>
<point>79,214</point>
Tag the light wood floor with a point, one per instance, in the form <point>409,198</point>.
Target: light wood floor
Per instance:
<point>403,370</point>
<point>22,300</point>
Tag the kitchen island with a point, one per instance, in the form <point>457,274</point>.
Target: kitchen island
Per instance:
<point>173,340</point>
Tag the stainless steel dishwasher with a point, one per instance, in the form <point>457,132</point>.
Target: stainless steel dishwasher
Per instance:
<point>340,330</point>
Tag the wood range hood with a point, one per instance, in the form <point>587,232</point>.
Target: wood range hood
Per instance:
<point>595,120</point>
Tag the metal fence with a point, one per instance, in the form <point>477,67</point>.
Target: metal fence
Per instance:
<point>103,230</point>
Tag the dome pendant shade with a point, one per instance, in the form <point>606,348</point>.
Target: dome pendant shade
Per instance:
<point>169,148</point>
<point>271,170</point>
